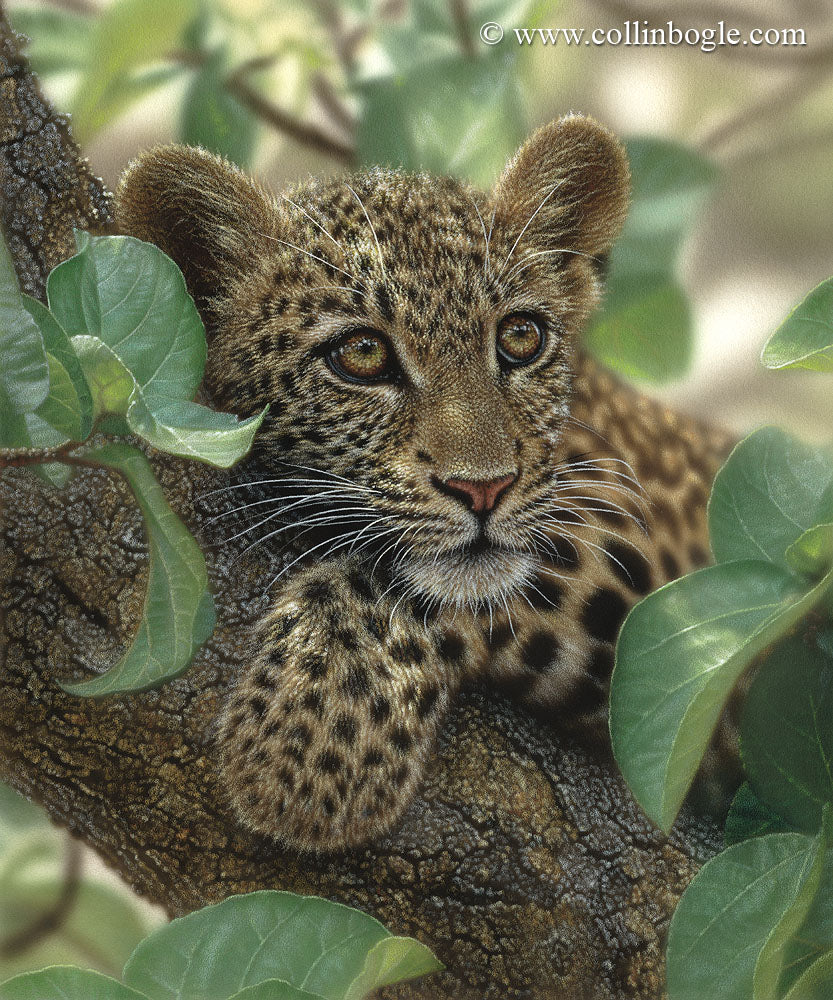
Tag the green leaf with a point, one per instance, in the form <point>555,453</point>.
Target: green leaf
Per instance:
<point>392,960</point>
<point>178,427</point>
<point>126,36</point>
<point>58,38</point>
<point>771,490</point>
<point>805,338</point>
<point>814,938</point>
<point>670,184</point>
<point>58,344</point>
<point>645,329</point>
<point>812,552</point>
<point>193,431</point>
<point>680,653</point>
<point>464,117</point>
<point>178,614</point>
<point>133,298</point>
<point>308,942</point>
<point>787,733</point>
<point>62,409</point>
<point>213,119</point>
<point>770,963</point>
<point>737,907</point>
<point>111,384</point>
<point>749,817</point>
<point>65,982</point>
<point>274,989</point>
<point>24,373</point>
<point>816,983</point>
<point>141,346</point>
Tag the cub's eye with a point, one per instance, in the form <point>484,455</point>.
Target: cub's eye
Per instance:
<point>362,356</point>
<point>520,339</point>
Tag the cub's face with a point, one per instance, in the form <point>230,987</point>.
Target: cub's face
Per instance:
<point>414,338</point>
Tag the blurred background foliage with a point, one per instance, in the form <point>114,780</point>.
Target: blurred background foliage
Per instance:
<point>732,153</point>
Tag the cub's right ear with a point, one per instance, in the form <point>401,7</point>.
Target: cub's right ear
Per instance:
<point>201,210</point>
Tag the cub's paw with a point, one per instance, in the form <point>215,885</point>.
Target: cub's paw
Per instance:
<point>324,740</point>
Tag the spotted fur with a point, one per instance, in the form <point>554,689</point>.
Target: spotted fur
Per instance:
<point>402,592</point>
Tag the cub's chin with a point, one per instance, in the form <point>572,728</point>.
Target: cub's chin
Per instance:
<point>473,577</point>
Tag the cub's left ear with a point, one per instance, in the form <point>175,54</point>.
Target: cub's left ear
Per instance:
<point>570,182</point>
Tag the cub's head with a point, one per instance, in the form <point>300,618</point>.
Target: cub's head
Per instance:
<point>415,337</point>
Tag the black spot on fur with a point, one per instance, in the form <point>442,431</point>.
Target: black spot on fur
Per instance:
<point>451,647</point>
<point>329,762</point>
<point>427,701</point>
<point>540,651</point>
<point>300,734</point>
<point>407,652</point>
<point>380,709</point>
<point>630,566</point>
<point>698,555</point>
<point>315,666</point>
<point>264,681</point>
<point>603,615</point>
<point>546,595</point>
<point>401,775</point>
<point>344,729</point>
<point>670,566</point>
<point>565,552</point>
<point>586,696</point>
<point>318,592</point>
<point>401,739</point>
<point>257,706</point>
<point>373,758</point>
<point>329,805</point>
<point>383,301</point>
<point>360,585</point>
<point>276,657</point>
<point>313,701</point>
<point>499,635</point>
<point>601,663</point>
<point>356,683</point>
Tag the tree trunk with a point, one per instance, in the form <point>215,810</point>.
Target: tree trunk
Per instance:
<point>523,863</point>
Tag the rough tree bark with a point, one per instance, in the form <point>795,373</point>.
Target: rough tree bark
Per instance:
<point>524,862</point>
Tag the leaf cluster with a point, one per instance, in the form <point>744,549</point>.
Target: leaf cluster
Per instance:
<point>757,921</point>
<point>261,946</point>
<point>120,348</point>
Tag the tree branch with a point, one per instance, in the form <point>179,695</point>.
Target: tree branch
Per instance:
<point>52,919</point>
<point>304,133</point>
<point>523,862</point>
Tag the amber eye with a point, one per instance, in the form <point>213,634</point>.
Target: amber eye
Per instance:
<point>362,356</point>
<point>520,339</point>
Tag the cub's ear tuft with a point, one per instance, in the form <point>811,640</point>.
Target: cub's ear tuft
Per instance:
<point>570,184</point>
<point>200,209</point>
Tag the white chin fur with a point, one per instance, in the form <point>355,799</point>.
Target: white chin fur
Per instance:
<point>468,580</point>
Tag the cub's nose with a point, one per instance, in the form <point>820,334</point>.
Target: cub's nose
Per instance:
<point>479,495</point>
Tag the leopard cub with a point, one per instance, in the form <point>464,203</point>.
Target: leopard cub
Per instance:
<point>469,495</point>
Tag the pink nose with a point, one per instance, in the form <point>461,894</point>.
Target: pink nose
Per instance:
<point>479,495</point>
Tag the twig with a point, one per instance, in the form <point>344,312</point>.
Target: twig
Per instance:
<point>460,14</point>
<point>763,110</point>
<point>75,6</point>
<point>334,106</point>
<point>11,458</point>
<point>50,921</point>
<point>308,135</point>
